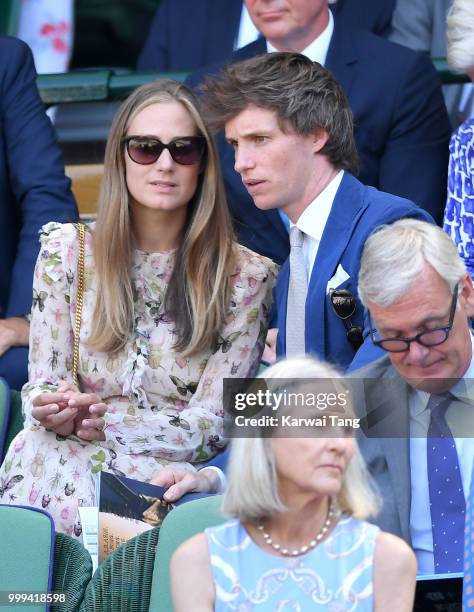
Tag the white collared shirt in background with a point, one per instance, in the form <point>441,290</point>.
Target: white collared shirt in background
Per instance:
<point>247,31</point>
<point>420,516</point>
<point>317,51</point>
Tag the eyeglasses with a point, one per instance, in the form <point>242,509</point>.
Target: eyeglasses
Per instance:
<point>431,337</point>
<point>187,150</point>
<point>344,305</point>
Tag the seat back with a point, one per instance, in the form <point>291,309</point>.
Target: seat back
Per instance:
<point>4,414</point>
<point>123,580</point>
<point>27,549</point>
<point>72,571</point>
<point>180,525</point>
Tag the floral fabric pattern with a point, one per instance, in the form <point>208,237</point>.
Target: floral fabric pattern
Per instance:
<point>459,213</point>
<point>162,407</point>
<point>336,576</point>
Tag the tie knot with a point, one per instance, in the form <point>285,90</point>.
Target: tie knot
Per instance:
<point>438,405</point>
<point>296,237</point>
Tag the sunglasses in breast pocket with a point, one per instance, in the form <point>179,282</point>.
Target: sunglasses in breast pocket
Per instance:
<point>344,305</point>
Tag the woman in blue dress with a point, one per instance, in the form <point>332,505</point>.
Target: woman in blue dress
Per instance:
<point>298,539</point>
<point>459,213</point>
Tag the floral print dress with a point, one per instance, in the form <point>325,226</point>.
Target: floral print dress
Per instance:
<point>162,408</point>
<point>459,212</point>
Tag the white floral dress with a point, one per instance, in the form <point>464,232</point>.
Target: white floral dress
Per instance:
<point>162,408</point>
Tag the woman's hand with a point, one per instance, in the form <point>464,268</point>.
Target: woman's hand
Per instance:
<point>89,423</point>
<point>53,412</point>
<point>180,482</point>
<point>69,411</point>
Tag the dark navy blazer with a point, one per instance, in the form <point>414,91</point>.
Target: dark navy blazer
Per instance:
<point>33,189</point>
<point>401,128</point>
<point>33,186</point>
<point>187,34</point>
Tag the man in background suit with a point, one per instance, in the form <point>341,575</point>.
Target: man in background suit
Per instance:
<point>33,191</point>
<point>419,400</point>
<point>186,34</point>
<point>401,125</point>
<point>290,126</point>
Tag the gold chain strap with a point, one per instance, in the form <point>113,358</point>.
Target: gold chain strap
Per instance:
<point>79,300</point>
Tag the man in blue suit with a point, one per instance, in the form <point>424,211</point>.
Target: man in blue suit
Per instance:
<point>401,125</point>
<point>186,34</point>
<point>33,191</point>
<point>290,126</point>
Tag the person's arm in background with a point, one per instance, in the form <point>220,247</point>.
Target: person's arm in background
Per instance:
<point>458,216</point>
<point>412,24</point>
<point>37,179</point>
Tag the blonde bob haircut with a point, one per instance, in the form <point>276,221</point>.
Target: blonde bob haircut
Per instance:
<point>198,293</point>
<point>252,491</point>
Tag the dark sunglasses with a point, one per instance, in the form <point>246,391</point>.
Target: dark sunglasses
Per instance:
<point>431,337</point>
<point>186,150</point>
<point>344,305</point>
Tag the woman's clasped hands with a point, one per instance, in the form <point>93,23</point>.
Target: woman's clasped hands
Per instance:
<point>68,411</point>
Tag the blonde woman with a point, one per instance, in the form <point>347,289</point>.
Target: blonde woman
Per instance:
<point>298,539</point>
<point>172,305</point>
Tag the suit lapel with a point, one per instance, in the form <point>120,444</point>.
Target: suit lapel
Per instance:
<point>389,398</point>
<point>341,57</point>
<point>223,19</point>
<point>346,209</point>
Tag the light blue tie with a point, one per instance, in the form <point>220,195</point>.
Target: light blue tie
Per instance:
<point>297,291</point>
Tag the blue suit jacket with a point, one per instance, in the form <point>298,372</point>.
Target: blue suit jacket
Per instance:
<point>187,34</point>
<point>33,187</point>
<point>356,211</point>
<point>401,128</point>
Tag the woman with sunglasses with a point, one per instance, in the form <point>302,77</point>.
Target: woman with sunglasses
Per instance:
<point>171,306</point>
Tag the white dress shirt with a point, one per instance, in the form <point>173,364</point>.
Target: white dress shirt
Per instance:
<point>247,30</point>
<point>313,221</point>
<point>318,49</point>
<point>420,516</point>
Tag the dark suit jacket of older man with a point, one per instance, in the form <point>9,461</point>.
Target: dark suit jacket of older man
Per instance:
<point>187,34</point>
<point>401,128</point>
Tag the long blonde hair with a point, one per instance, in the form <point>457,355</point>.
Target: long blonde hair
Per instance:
<point>198,293</point>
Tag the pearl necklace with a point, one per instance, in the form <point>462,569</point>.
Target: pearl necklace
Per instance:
<point>295,552</point>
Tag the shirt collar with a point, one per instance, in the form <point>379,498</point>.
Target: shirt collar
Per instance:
<point>314,218</point>
<point>463,390</point>
<point>317,50</point>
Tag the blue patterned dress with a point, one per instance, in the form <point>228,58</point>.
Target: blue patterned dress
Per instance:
<point>459,213</point>
<point>334,577</point>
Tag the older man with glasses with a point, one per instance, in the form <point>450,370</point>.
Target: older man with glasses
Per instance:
<point>419,398</point>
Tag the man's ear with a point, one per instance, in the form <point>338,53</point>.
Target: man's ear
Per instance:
<point>320,138</point>
<point>467,295</point>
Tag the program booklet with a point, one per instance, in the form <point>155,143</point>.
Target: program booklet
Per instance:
<point>127,508</point>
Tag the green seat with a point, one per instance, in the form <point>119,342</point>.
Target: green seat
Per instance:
<point>180,525</point>
<point>27,546</point>
<point>123,580</point>
<point>9,16</point>
<point>72,571</point>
